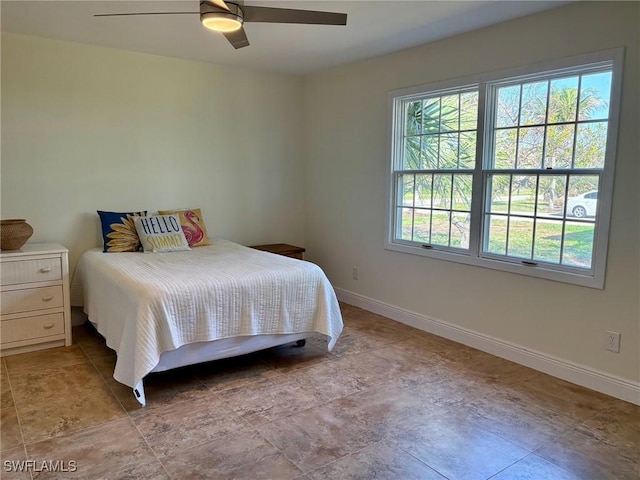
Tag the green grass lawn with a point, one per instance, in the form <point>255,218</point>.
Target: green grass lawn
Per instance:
<point>527,206</point>
<point>434,229</point>
<point>578,241</point>
<point>577,249</point>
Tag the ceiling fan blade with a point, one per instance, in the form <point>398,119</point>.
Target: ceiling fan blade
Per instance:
<point>237,38</point>
<point>143,13</point>
<point>219,4</point>
<point>288,15</point>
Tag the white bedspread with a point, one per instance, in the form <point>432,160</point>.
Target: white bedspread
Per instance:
<point>147,304</point>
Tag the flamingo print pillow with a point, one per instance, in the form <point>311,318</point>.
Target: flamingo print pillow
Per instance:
<point>193,226</point>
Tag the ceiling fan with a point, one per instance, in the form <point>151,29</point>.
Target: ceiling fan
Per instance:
<point>229,17</point>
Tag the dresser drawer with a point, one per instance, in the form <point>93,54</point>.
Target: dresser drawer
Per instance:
<point>31,327</point>
<point>31,299</point>
<point>30,271</point>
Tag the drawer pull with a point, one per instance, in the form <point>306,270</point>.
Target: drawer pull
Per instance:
<point>48,326</point>
<point>45,269</point>
<point>48,298</point>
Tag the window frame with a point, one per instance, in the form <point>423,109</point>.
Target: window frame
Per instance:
<point>487,85</point>
<point>438,171</point>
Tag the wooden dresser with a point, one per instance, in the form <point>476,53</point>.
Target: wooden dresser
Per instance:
<point>36,310</point>
<point>283,249</point>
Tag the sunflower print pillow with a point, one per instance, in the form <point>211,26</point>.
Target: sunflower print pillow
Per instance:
<point>119,232</point>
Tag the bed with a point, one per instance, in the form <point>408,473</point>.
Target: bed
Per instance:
<point>168,310</point>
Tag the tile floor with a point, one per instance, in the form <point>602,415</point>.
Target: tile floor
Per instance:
<point>390,402</point>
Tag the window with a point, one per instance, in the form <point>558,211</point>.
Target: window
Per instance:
<point>512,172</point>
<point>434,184</point>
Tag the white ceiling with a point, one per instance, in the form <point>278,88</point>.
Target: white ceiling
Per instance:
<point>373,28</point>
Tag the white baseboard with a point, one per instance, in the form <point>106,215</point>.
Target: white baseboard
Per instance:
<point>557,367</point>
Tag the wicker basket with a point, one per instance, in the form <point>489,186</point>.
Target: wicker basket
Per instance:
<point>14,233</point>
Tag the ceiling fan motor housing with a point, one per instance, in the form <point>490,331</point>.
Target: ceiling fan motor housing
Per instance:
<point>208,10</point>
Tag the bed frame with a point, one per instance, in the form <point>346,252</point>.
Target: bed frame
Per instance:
<point>201,352</point>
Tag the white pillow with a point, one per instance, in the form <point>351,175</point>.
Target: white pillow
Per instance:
<point>161,233</point>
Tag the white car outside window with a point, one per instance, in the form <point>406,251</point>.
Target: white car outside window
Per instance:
<point>584,205</point>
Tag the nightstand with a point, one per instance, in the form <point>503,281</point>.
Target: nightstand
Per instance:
<point>283,249</point>
<point>35,306</point>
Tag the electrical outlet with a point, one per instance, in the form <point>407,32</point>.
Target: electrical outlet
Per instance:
<point>612,342</point>
<point>354,273</point>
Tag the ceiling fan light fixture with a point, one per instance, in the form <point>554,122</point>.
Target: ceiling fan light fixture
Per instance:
<point>221,21</point>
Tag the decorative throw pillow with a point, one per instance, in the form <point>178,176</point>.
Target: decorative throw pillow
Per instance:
<point>161,233</point>
<point>118,231</point>
<point>192,225</point>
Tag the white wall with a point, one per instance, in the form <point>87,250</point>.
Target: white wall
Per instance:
<point>346,123</point>
<point>87,128</point>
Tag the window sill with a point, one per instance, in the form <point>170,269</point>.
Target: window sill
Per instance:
<point>537,271</point>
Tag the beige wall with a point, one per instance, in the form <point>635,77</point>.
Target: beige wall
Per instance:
<point>87,128</point>
<point>347,162</point>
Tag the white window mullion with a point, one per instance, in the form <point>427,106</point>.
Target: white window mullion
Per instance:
<point>431,203</point>
<point>483,151</point>
<point>564,221</point>
<point>577,122</point>
<point>546,120</point>
<point>535,217</point>
<point>506,241</point>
